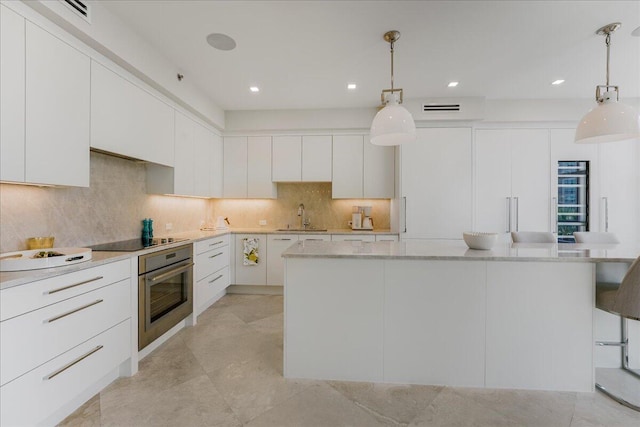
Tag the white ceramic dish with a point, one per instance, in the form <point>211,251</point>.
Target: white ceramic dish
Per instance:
<point>479,240</point>
<point>24,261</point>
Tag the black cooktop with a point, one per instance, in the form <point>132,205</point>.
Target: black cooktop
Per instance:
<point>133,245</point>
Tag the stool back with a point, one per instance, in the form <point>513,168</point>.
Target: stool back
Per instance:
<point>595,237</point>
<point>627,301</point>
<point>533,237</point>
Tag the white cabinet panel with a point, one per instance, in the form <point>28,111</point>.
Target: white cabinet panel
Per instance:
<point>251,274</point>
<point>202,161</point>
<point>183,167</point>
<point>348,167</point>
<point>379,171</point>
<point>276,244</point>
<point>217,166</point>
<point>287,159</point>
<point>437,183</point>
<point>235,167</point>
<point>57,111</point>
<point>12,101</point>
<point>316,158</point>
<point>512,180</point>
<point>127,120</point>
<point>259,184</point>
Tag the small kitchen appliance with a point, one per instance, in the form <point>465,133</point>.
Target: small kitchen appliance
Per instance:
<point>361,218</point>
<point>356,218</point>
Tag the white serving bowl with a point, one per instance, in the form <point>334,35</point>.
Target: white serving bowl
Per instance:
<point>479,240</point>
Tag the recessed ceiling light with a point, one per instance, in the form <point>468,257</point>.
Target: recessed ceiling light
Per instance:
<point>557,82</point>
<point>452,84</point>
<point>351,86</point>
<point>254,89</point>
<point>221,41</point>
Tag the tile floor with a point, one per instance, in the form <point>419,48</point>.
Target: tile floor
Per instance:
<point>227,371</point>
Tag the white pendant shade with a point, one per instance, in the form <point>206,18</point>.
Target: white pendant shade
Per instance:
<point>393,125</point>
<point>609,121</point>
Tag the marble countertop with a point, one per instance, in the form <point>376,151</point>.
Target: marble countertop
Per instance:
<point>458,250</point>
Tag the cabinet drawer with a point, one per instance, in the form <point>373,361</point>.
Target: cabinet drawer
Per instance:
<point>210,286</point>
<point>214,243</point>
<point>33,397</point>
<point>210,261</point>
<point>29,340</point>
<point>31,296</point>
<point>353,238</point>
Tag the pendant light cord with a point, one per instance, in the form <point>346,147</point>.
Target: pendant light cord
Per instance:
<point>392,66</point>
<point>607,42</point>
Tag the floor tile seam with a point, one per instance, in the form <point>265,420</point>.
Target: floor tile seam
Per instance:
<point>229,405</point>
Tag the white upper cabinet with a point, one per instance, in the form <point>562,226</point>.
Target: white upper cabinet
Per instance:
<point>361,169</point>
<point>202,161</point>
<point>316,158</point>
<point>287,159</point>
<point>436,184</point>
<point>216,170</point>
<point>57,117</point>
<point>183,165</point>
<point>512,180</point>
<point>247,168</point>
<point>259,184</point>
<point>128,120</point>
<point>12,75</point>
<point>348,167</point>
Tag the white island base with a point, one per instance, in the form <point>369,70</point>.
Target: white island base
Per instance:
<point>477,323</point>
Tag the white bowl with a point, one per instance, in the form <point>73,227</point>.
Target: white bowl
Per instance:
<point>478,240</point>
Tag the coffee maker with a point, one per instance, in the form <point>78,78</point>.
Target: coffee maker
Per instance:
<point>361,218</point>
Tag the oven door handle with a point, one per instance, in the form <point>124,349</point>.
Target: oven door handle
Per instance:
<point>171,273</point>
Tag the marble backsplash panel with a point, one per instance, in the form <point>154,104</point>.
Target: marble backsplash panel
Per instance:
<point>111,209</point>
<point>320,208</point>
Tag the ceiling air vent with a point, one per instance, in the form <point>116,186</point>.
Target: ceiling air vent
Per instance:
<point>440,107</point>
<point>80,7</point>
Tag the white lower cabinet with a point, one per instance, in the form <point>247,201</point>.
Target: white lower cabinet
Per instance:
<point>60,337</point>
<point>251,273</point>
<point>211,271</point>
<point>276,244</point>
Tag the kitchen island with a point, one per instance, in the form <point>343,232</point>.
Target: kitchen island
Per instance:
<point>518,316</point>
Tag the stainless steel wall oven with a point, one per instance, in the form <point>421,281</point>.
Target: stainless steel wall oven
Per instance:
<point>165,291</point>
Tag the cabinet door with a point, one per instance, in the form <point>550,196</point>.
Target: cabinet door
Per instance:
<point>436,181</point>
<point>276,244</point>
<point>316,158</point>
<point>287,159</point>
<point>203,155</point>
<point>57,111</point>
<point>379,171</point>
<point>183,168</point>
<point>530,179</point>
<point>251,274</point>
<point>216,168</point>
<point>235,167</point>
<point>348,165</point>
<point>493,180</point>
<point>259,184</point>
<point>128,120</point>
<point>619,190</point>
<point>12,83</point>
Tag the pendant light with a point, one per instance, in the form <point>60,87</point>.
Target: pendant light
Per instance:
<point>610,120</point>
<point>393,125</point>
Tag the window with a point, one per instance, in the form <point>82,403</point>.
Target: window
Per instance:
<point>573,199</point>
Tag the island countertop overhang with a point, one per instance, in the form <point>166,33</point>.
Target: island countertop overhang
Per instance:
<point>456,250</point>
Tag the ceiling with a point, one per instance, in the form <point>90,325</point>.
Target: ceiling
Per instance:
<point>302,54</point>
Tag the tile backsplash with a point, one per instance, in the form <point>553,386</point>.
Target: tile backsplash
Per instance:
<point>113,206</point>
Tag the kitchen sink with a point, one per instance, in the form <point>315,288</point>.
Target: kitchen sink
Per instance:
<point>296,230</point>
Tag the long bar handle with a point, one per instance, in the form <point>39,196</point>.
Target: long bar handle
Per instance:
<point>73,362</point>
<point>508,215</point>
<point>605,201</point>
<point>75,310</point>
<point>282,239</point>
<point>517,214</point>
<point>218,254</point>
<point>213,280</point>
<point>172,272</point>
<point>73,286</point>
<point>405,213</point>
<point>216,243</point>
<point>554,215</point>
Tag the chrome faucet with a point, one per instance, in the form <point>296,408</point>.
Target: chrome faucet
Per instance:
<point>301,215</point>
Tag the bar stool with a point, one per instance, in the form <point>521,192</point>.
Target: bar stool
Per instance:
<point>595,237</point>
<point>624,302</point>
<point>533,237</point>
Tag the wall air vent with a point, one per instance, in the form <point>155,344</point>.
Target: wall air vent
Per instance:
<point>440,107</point>
<point>80,8</point>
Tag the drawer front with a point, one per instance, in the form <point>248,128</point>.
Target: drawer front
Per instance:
<point>30,340</point>
<point>32,296</point>
<point>321,237</point>
<point>213,243</point>
<point>211,261</point>
<point>33,397</point>
<point>353,238</point>
<point>386,238</point>
<point>210,286</point>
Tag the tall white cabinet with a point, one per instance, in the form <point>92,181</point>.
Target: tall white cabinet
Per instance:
<point>512,180</point>
<point>436,184</point>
